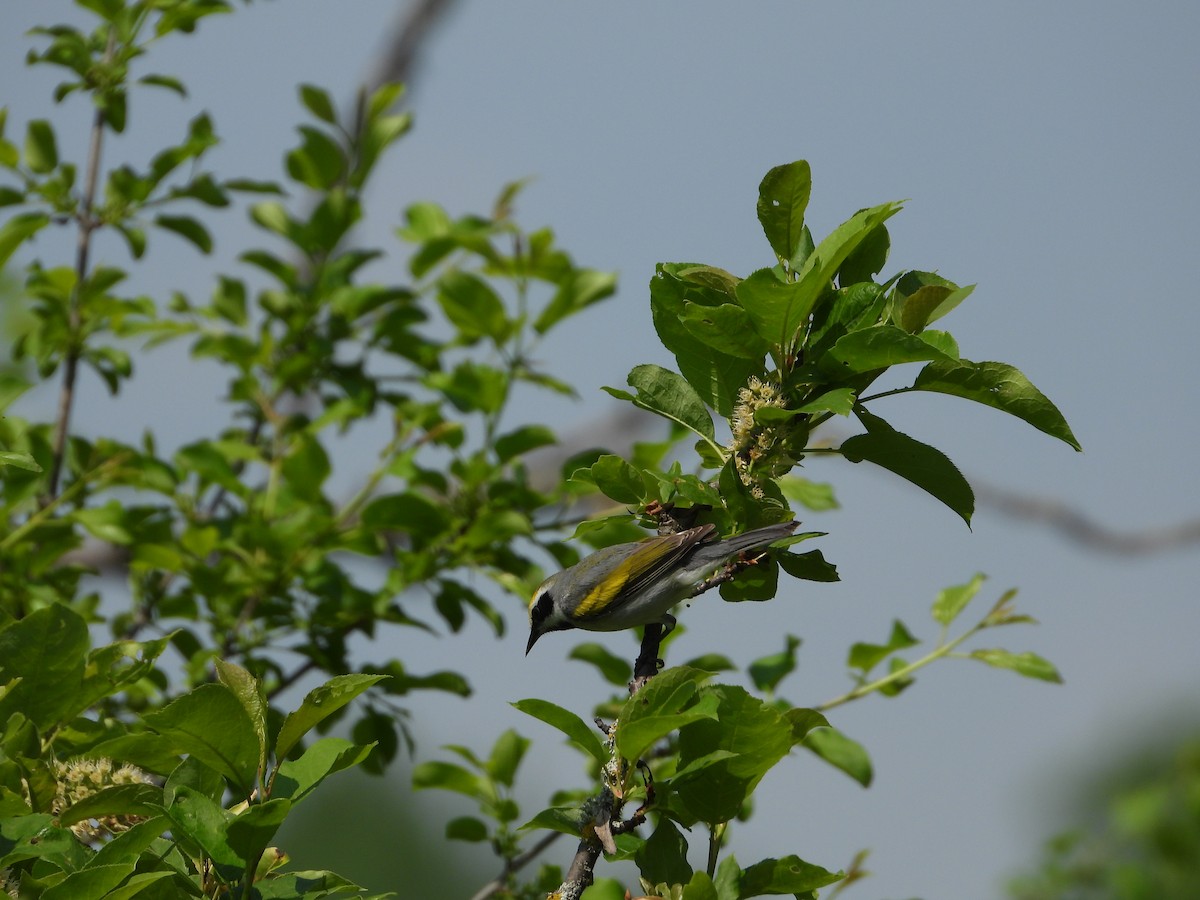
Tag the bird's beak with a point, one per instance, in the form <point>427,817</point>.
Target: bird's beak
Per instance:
<point>534,634</point>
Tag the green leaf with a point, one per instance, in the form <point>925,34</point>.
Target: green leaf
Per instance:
<point>851,308</point>
<point>754,734</point>
<point>716,279</point>
<point>825,261</point>
<point>115,800</point>
<point>953,600</point>
<point>203,822</point>
<point>46,651</point>
<point>307,883</point>
<point>17,230</point>
<point>790,875</point>
<point>839,401</point>
<point>1028,664</point>
<point>506,756</point>
<point>929,303</point>
<point>317,102</point>
<point>776,308</point>
<point>811,566</point>
<point>662,859</point>
<point>211,724</point>
<point>472,306</point>
<point>581,289</point>
<point>41,150</point>
<point>767,671</point>
<point>37,837</point>
<point>517,443</point>
<point>613,668</point>
<point>319,162</point>
<point>840,752</point>
<point>618,479</point>
<point>879,347</point>
<point>999,386</point>
<point>318,704</point>
<point>669,395</point>
<point>727,328</point>
<point>814,279</point>
<point>195,775</point>
<point>187,228</point>
<point>754,731</point>
<point>384,98</point>
<point>563,819</point>
<point>803,721</point>
<point>712,662</point>
<point>865,656</point>
<point>410,512</point>
<point>135,238</point>
<point>164,81</point>
<point>924,297</point>
<point>251,831</point>
<point>250,693</point>
<point>867,259</point>
<point>305,467</point>
<point>729,875</point>
<point>714,375</point>
<point>815,495</point>
<point>666,703</point>
<point>579,733</point>
<point>450,777</point>
<point>466,828</point>
<point>925,466</point>
<point>94,881</point>
<point>782,200</point>
<point>19,461</point>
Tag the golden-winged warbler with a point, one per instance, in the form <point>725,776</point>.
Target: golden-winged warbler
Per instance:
<point>633,584</point>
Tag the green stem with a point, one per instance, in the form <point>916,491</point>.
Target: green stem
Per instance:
<point>716,836</point>
<point>941,650</point>
<point>48,509</point>
<point>363,494</point>
<point>901,390</point>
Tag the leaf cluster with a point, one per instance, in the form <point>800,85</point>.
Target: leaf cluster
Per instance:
<point>245,551</point>
<point>217,771</point>
<point>783,350</point>
<point>248,549</point>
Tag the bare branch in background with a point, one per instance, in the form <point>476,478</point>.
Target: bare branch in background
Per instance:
<point>1071,523</point>
<point>400,56</point>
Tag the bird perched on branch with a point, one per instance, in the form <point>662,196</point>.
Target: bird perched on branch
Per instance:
<point>634,584</point>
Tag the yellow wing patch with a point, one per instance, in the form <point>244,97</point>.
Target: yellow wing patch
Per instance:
<point>652,554</point>
<point>601,595</point>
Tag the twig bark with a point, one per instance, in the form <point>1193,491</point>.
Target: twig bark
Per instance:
<point>514,865</point>
<point>400,57</point>
<point>83,244</point>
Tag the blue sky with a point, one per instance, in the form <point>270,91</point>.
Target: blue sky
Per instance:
<point>1047,152</point>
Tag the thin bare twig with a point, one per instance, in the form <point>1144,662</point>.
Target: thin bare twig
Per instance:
<point>83,244</point>
<point>515,864</point>
<point>400,56</point>
<point>1075,525</point>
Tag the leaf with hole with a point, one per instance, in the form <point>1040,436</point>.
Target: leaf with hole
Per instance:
<point>999,386</point>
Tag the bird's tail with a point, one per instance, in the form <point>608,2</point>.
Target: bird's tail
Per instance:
<point>718,552</point>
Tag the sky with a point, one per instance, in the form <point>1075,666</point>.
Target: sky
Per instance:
<point>1046,153</point>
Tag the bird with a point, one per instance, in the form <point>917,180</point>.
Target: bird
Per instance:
<point>637,583</point>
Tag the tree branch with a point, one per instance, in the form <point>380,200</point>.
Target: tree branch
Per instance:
<point>400,58</point>
<point>83,244</point>
<point>514,865</point>
<point>1078,527</point>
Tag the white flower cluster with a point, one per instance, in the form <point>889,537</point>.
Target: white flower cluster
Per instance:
<point>755,447</point>
<point>81,778</point>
